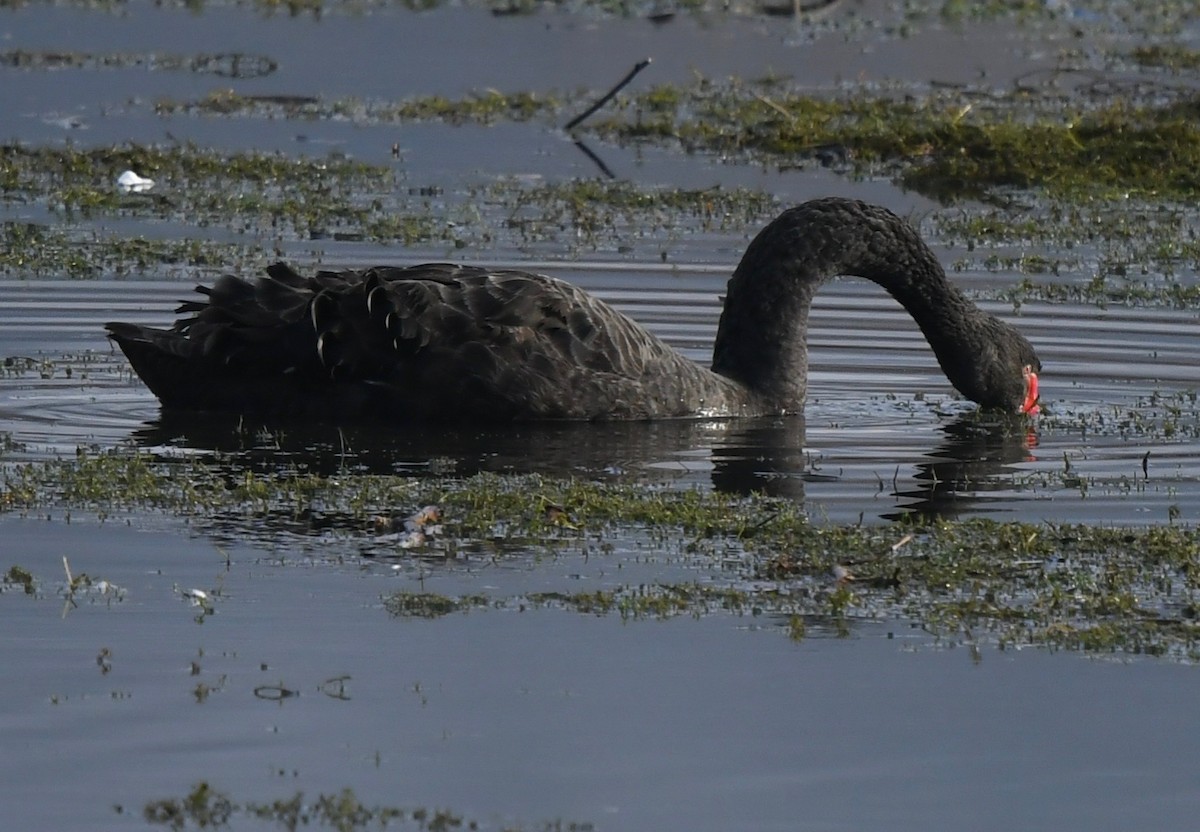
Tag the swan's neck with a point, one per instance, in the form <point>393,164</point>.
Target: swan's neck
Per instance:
<point>762,338</point>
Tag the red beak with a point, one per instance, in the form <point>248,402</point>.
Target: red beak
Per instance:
<point>1030,405</point>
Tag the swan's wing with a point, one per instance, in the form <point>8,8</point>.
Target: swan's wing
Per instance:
<point>443,337</point>
<point>427,341</point>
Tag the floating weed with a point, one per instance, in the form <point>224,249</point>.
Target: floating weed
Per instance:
<point>486,107</point>
<point>1125,251</point>
<point>229,65</point>
<point>646,601</point>
<point>948,144</point>
<point>247,197</point>
<point>600,212</point>
<point>1023,583</point>
<point>1170,415</point>
<point>429,605</point>
<point>21,577</point>
<point>206,807</point>
<point>1171,56</point>
<point>263,195</point>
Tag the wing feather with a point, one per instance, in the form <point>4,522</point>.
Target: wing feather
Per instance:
<point>427,341</point>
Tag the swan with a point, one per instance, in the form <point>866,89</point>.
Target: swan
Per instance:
<point>448,342</point>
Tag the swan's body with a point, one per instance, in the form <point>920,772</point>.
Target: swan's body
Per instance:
<point>464,343</point>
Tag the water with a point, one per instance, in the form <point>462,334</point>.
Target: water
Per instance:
<point>883,434</point>
<point>524,715</point>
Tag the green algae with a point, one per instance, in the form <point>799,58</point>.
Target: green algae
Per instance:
<point>206,807</point>
<point>229,65</point>
<point>951,144</point>
<point>948,145</point>
<point>1105,182</point>
<point>30,249</point>
<point>486,107</point>
<point>1128,252</point>
<point>1172,56</point>
<point>429,605</point>
<point>21,577</point>
<point>1090,588</point>
<point>1091,204</point>
<point>253,192</point>
<point>245,197</point>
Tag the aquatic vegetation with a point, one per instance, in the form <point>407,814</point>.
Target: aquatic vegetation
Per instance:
<point>229,65</point>
<point>487,107</point>
<point>429,605</point>
<point>31,250</point>
<point>1011,584</point>
<point>206,806</point>
<point>248,193</point>
<point>1129,252</point>
<point>1172,56</point>
<point>21,577</point>
<point>603,211</point>
<point>1104,188</point>
<point>1092,205</point>
<point>1160,415</point>
<point>241,198</point>
<point>950,144</point>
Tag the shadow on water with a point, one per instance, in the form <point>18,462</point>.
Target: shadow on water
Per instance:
<point>766,456</point>
<point>976,459</point>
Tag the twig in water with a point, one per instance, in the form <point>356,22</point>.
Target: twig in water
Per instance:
<point>70,596</point>
<point>777,108</point>
<point>638,67</point>
<point>596,160</point>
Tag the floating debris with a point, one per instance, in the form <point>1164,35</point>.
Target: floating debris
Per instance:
<point>426,518</point>
<point>196,596</point>
<point>411,540</point>
<point>274,693</point>
<point>423,519</point>
<point>130,183</point>
<point>410,532</point>
<point>557,515</point>
<point>65,122</point>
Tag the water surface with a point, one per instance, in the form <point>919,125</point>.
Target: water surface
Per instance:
<point>883,433</point>
<point>516,715</point>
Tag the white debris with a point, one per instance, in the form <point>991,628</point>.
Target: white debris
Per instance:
<point>130,183</point>
<point>198,597</point>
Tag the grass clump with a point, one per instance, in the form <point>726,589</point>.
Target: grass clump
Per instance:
<point>206,807</point>
<point>946,145</point>
<point>22,577</point>
<point>1078,587</point>
<point>486,107</point>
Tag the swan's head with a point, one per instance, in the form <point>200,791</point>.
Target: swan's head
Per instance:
<point>995,367</point>
<point>1015,373</point>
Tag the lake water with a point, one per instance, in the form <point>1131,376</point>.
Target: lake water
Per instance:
<point>530,717</point>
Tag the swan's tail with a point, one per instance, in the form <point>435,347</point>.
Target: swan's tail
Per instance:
<point>158,356</point>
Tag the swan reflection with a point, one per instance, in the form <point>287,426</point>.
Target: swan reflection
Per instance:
<point>964,472</point>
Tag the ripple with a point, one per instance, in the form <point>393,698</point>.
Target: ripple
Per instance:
<point>885,436</point>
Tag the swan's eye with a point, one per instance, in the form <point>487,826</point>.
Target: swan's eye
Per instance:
<point>1030,404</point>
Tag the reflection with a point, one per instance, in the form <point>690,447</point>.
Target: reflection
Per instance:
<point>739,456</point>
<point>662,449</point>
<point>767,456</point>
<point>975,460</point>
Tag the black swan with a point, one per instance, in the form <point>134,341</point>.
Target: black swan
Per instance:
<point>463,343</point>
